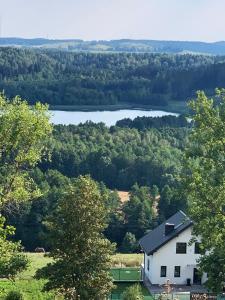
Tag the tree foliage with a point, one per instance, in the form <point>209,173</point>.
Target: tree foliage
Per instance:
<point>129,244</point>
<point>70,78</point>
<point>133,293</point>
<point>117,156</point>
<point>12,260</point>
<point>23,132</point>
<point>205,184</point>
<point>138,211</point>
<point>80,251</point>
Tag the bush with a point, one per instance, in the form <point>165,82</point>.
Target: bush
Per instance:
<point>132,263</point>
<point>14,295</point>
<point>133,293</point>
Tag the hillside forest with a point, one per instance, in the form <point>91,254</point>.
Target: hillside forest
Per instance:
<point>49,174</point>
<point>142,157</point>
<point>69,78</point>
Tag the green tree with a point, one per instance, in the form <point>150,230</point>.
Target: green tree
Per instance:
<point>204,183</point>
<point>81,253</point>
<point>154,191</point>
<point>12,261</point>
<point>23,131</point>
<point>138,211</point>
<point>14,295</point>
<point>129,244</point>
<point>133,293</point>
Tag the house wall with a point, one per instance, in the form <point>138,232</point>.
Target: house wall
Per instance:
<point>166,256</point>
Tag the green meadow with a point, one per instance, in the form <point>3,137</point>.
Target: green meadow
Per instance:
<point>32,288</point>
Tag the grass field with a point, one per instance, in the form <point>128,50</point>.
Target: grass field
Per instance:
<point>127,260</point>
<point>37,261</point>
<point>25,283</point>
<point>32,289</point>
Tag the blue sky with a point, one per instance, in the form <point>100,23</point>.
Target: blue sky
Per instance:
<point>113,19</point>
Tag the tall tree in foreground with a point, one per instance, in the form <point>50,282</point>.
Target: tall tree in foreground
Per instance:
<point>23,132</point>
<point>204,183</point>
<point>81,254</point>
<point>12,260</point>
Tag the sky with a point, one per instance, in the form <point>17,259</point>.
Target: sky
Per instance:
<point>201,20</point>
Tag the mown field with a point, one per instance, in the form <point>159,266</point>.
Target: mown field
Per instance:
<point>32,289</point>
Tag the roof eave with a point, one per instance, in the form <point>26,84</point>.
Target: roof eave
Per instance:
<point>172,237</point>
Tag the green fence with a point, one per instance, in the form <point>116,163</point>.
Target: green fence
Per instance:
<point>126,274</point>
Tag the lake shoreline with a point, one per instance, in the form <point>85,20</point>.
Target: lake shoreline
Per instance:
<point>109,118</point>
<point>174,107</point>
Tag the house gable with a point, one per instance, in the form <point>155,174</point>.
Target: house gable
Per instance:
<point>158,237</point>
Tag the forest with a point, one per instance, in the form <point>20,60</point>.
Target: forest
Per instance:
<point>142,156</point>
<point>61,190</point>
<point>68,78</point>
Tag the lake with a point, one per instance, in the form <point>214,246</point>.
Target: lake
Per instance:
<point>108,117</point>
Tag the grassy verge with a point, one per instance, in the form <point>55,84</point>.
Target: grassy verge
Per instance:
<point>25,283</point>
<point>173,106</point>
<point>127,260</point>
<point>37,261</point>
<point>32,289</point>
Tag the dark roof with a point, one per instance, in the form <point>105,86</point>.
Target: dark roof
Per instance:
<point>156,238</point>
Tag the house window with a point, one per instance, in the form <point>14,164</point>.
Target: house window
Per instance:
<point>148,264</point>
<point>177,271</point>
<point>163,271</point>
<point>197,248</point>
<point>181,248</point>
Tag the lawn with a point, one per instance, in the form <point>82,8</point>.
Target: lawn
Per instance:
<point>32,289</point>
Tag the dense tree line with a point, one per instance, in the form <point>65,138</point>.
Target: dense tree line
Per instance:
<point>143,161</point>
<point>142,123</point>
<point>68,78</point>
<point>120,157</point>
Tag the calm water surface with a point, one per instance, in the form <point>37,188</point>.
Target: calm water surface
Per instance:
<point>108,117</point>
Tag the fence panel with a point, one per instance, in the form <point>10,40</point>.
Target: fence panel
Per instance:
<point>126,274</point>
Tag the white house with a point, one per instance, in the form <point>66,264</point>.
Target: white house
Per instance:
<point>168,254</point>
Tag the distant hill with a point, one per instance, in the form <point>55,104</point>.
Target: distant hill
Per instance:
<point>124,45</point>
<point>67,78</point>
